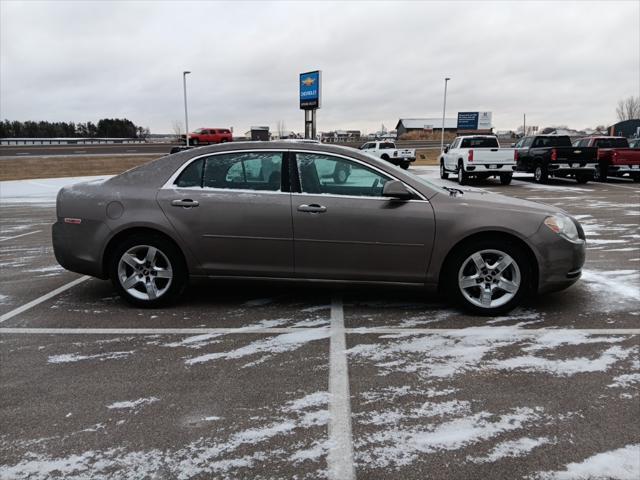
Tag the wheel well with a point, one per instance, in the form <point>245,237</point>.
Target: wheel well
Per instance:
<point>384,156</point>
<point>492,235</point>
<point>120,236</point>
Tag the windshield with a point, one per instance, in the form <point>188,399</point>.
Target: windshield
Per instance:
<point>561,141</point>
<point>480,142</point>
<point>611,143</point>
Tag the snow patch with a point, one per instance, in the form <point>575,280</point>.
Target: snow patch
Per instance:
<point>132,404</point>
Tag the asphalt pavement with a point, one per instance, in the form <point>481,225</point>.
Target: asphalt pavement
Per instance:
<point>253,380</point>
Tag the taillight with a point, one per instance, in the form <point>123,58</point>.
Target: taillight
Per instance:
<point>470,157</point>
<point>554,155</point>
<point>515,155</point>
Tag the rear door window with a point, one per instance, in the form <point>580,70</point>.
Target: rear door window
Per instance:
<point>244,171</point>
<point>191,176</point>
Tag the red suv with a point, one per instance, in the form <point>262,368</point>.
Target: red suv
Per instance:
<point>210,135</point>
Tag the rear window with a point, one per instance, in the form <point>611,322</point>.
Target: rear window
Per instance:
<point>386,146</point>
<point>561,141</point>
<point>611,143</point>
<point>480,142</point>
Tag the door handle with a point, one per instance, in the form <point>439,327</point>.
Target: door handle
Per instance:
<point>313,208</point>
<point>186,203</point>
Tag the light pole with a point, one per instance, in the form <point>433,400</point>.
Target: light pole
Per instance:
<point>444,109</point>
<point>186,115</point>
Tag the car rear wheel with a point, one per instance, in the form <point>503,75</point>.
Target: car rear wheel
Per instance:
<point>195,141</point>
<point>505,179</point>
<point>148,271</point>
<point>540,174</point>
<point>463,178</point>
<point>583,177</point>
<point>489,277</point>
<point>443,173</point>
<point>600,173</point>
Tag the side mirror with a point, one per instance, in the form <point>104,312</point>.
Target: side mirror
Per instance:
<point>513,145</point>
<point>396,189</point>
<point>446,148</point>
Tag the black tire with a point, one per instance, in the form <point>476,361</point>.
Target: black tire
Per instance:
<point>443,173</point>
<point>505,178</point>
<point>541,174</point>
<point>601,173</point>
<point>460,256</point>
<point>404,165</point>
<point>195,142</point>
<point>165,247</point>
<point>463,177</point>
<point>385,157</point>
<point>636,178</point>
<point>583,177</point>
<point>340,175</point>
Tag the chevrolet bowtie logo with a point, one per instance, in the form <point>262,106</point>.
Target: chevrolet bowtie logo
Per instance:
<point>308,81</point>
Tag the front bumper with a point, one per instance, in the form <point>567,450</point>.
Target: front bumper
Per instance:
<point>560,260</point>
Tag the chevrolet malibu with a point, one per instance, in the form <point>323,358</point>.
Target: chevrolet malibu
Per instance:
<point>275,211</point>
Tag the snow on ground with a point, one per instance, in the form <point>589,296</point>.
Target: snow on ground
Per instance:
<point>76,357</point>
<point>132,404</point>
<point>223,454</point>
<point>620,464</point>
<point>42,190</point>
<point>613,289</point>
<point>511,448</point>
<point>267,347</point>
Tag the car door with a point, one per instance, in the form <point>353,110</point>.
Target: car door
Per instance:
<point>233,211</point>
<point>349,231</point>
<point>449,162</point>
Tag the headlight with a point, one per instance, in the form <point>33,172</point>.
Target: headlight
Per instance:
<point>562,225</point>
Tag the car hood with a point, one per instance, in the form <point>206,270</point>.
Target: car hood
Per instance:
<point>497,202</point>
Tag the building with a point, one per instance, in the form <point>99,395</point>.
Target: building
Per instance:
<point>260,133</point>
<point>626,128</point>
<point>341,136</point>
<point>406,125</point>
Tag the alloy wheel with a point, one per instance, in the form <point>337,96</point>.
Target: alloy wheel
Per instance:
<point>145,272</point>
<point>489,278</point>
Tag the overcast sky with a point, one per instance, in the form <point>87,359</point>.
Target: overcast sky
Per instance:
<point>560,62</point>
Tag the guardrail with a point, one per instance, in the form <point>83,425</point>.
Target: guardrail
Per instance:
<point>67,141</point>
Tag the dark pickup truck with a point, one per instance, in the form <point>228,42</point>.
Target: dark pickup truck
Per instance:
<point>615,157</point>
<point>553,156</point>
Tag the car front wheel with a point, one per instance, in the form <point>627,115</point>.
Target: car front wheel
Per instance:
<point>488,277</point>
<point>148,271</point>
<point>443,173</point>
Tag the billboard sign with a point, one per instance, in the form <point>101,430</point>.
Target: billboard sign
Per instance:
<point>467,120</point>
<point>474,121</point>
<point>310,90</point>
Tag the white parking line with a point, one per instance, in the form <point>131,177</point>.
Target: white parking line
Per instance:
<point>4,239</point>
<point>41,299</point>
<point>340,457</point>
<point>470,331</point>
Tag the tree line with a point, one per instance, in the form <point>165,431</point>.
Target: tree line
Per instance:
<point>106,127</point>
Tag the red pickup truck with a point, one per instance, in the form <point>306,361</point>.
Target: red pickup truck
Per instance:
<point>615,158</point>
<point>204,136</point>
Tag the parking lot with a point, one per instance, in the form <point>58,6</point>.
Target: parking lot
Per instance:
<point>251,380</point>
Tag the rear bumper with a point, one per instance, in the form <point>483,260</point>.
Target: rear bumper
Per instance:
<point>490,168</point>
<point>623,169</point>
<point>571,167</point>
<point>78,247</point>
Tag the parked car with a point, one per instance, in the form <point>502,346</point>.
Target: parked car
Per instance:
<point>207,136</point>
<point>478,156</point>
<point>553,156</point>
<point>615,157</point>
<point>263,211</point>
<point>387,151</point>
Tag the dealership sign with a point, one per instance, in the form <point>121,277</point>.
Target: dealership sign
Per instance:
<point>310,90</point>
<point>474,121</point>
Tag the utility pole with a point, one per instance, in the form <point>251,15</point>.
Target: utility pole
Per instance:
<point>444,108</point>
<point>186,115</point>
<point>524,125</point>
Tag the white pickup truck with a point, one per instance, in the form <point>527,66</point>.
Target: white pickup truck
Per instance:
<point>387,151</point>
<point>478,156</point>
